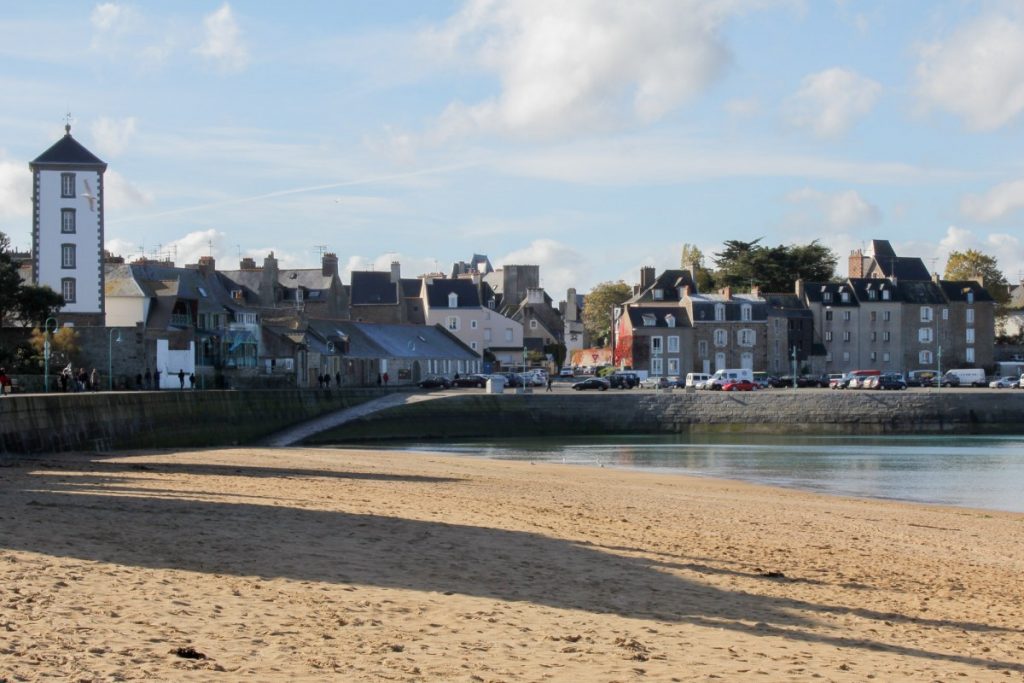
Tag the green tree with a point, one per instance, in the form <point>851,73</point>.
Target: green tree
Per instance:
<point>691,258</point>
<point>36,303</point>
<point>31,304</point>
<point>10,281</point>
<point>598,305</point>
<point>743,265</point>
<point>973,264</point>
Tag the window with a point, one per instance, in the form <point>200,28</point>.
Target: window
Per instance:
<point>533,324</point>
<point>872,295</point>
<point>873,316</point>
<point>828,315</point>
<point>846,316</point>
<point>452,322</point>
<point>656,346</point>
<point>885,357</point>
<point>886,316</point>
<point>719,311</point>
<point>67,256</point>
<point>670,320</point>
<point>828,335</point>
<point>453,300</point>
<point>886,336</point>
<point>67,289</point>
<point>874,356</point>
<point>473,324</point>
<point>846,336</point>
<point>719,361</point>
<point>673,366</point>
<point>673,344</point>
<point>846,356</point>
<point>649,320</point>
<point>970,335</point>
<point>658,294</point>
<point>721,338</point>
<point>67,221</point>
<point>827,297</point>
<point>970,297</point>
<point>508,334</point>
<point>970,315</point>
<point>969,354</point>
<point>702,348</point>
<point>656,366</point>
<point>487,334</point>
<point>745,337</point>
<point>874,336</point>
<point>845,296</point>
<point>67,184</point>
<point>745,312</point>
<point>924,357</point>
<point>926,314</point>
<point>472,345</point>
<point>885,295</point>
<point>924,335</point>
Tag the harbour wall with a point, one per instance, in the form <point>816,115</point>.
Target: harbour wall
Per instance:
<point>182,419</point>
<point>801,411</point>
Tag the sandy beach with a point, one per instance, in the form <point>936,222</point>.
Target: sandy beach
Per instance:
<point>349,565</point>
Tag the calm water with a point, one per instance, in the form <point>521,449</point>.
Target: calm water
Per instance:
<point>978,472</point>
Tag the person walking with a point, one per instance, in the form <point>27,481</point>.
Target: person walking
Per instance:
<point>94,380</point>
<point>181,378</point>
<point>385,379</point>
<point>191,380</point>
<point>379,380</point>
<point>549,382</point>
<point>5,383</point>
<point>156,380</point>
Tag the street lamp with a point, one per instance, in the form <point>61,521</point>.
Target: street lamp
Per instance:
<point>110,356</point>
<point>46,351</point>
<point>793,356</point>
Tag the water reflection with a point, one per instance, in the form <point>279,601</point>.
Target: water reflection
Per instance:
<point>968,471</point>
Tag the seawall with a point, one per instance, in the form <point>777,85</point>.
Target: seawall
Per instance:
<point>159,419</point>
<point>808,411</point>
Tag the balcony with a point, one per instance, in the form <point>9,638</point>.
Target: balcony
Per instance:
<point>181,320</point>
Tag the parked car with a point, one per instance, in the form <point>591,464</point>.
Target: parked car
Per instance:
<point>1004,383</point>
<point>891,381</point>
<point>566,372</point>
<point>921,378</point>
<point>740,385</point>
<point>435,382</point>
<point>623,380</point>
<point>470,381</point>
<point>512,379</point>
<point>599,383</point>
<point>654,383</point>
<point>696,380</point>
<point>944,381</point>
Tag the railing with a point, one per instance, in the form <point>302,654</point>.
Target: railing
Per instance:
<point>181,319</point>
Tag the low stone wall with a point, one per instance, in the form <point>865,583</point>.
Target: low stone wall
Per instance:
<point>159,419</point>
<point>825,412</point>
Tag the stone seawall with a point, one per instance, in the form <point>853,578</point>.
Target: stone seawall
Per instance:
<point>825,412</point>
<point>158,419</point>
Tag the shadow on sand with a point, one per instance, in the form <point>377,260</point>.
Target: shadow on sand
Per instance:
<point>89,516</point>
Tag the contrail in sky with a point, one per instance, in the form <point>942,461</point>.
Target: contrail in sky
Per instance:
<point>300,190</point>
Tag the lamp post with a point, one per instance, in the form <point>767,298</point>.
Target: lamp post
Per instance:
<point>110,356</point>
<point>938,378</point>
<point>46,352</point>
<point>793,356</point>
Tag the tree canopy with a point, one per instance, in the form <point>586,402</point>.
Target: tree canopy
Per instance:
<point>744,265</point>
<point>598,305</point>
<point>31,304</point>
<point>972,264</point>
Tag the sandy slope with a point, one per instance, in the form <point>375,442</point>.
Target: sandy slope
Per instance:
<point>304,564</point>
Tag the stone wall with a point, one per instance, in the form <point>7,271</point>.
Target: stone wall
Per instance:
<point>907,412</point>
<point>158,419</point>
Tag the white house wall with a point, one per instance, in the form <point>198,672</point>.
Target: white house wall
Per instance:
<point>123,311</point>
<point>476,337</point>
<point>170,362</point>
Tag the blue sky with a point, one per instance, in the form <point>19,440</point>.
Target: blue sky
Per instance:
<point>591,137</point>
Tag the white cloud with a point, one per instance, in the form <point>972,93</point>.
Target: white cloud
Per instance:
<point>121,194</point>
<point>411,266</point>
<point>1008,250</point>
<point>561,266</point>
<point>584,65</point>
<point>830,102</point>
<point>15,191</point>
<point>223,42</point>
<point>977,73</point>
<point>111,136</point>
<point>837,210</point>
<point>1002,200</point>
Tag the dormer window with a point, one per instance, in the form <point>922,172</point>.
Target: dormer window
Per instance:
<point>970,297</point>
<point>746,312</point>
<point>827,297</point>
<point>649,320</point>
<point>670,320</point>
<point>659,294</point>
<point>886,295</point>
<point>453,300</point>
<point>719,311</point>
<point>845,297</point>
<point>872,294</point>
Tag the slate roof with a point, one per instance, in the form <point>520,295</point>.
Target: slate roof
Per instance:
<point>381,340</point>
<point>369,287</point>
<point>636,316</point>
<point>956,290</point>
<point>704,307</point>
<point>411,287</point>
<point>912,292</point>
<point>904,268</point>
<point>438,291</point>
<point>67,150</point>
<point>862,288</point>
<point>815,291</point>
<point>669,283</point>
<point>786,305</point>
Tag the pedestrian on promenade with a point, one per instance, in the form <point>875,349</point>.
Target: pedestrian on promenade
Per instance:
<point>378,379</point>
<point>549,382</point>
<point>385,379</point>
<point>181,378</point>
<point>192,380</point>
<point>94,380</point>
<point>156,380</point>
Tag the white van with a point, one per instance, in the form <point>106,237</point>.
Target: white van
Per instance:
<point>969,377</point>
<point>728,375</point>
<point>697,380</point>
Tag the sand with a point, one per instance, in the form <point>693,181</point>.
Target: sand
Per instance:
<point>329,564</point>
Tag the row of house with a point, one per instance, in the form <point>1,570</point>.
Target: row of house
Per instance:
<point>889,314</point>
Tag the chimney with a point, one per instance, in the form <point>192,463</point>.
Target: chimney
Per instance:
<point>534,295</point>
<point>756,290</point>
<point>329,264</point>
<point>247,263</point>
<point>800,288</point>
<point>726,292</point>
<point>646,277</point>
<point>856,265</point>
<point>207,265</point>
<point>270,263</point>
<point>570,304</point>
<point>396,272</point>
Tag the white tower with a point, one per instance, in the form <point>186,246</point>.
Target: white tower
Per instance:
<point>67,228</point>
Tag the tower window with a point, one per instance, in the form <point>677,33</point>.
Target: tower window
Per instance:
<point>67,220</point>
<point>67,256</point>
<point>67,184</point>
<point>67,289</point>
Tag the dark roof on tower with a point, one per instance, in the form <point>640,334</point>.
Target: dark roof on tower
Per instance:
<point>68,150</point>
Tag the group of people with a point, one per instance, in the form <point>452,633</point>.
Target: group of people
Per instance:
<point>151,380</point>
<point>324,381</point>
<point>80,380</point>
